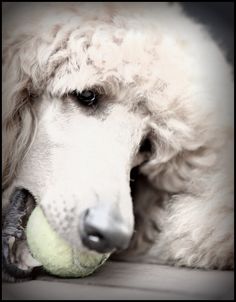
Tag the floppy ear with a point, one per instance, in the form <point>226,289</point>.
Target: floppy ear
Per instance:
<point>184,141</point>
<point>26,70</point>
<point>18,119</point>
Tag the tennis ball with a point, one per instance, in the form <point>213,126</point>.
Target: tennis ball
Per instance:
<point>55,254</point>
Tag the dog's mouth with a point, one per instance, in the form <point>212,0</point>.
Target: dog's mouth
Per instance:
<point>17,259</point>
<point>28,203</point>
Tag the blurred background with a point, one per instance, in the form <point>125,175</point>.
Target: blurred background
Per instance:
<point>217,16</point>
<point>219,19</point>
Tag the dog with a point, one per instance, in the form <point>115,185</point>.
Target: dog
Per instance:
<point>117,122</point>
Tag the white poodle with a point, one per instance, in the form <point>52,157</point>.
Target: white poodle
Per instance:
<point>117,120</point>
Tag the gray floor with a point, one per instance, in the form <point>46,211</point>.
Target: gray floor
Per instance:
<point>120,280</point>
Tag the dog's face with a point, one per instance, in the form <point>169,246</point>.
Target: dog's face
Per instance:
<point>89,93</point>
<point>100,86</point>
<point>94,84</point>
<point>78,167</point>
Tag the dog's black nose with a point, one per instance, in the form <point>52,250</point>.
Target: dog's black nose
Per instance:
<point>104,230</point>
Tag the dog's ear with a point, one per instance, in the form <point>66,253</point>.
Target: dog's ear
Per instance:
<point>179,150</point>
<point>18,117</point>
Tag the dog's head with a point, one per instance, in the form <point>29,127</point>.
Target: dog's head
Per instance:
<point>88,97</point>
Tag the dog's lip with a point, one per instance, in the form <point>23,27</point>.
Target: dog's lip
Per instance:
<point>18,265</point>
<point>30,204</point>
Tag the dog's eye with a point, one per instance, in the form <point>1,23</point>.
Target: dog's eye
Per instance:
<point>86,97</point>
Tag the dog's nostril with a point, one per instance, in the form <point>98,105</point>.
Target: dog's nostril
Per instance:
<point>93,234</point>
<point>95,237</point>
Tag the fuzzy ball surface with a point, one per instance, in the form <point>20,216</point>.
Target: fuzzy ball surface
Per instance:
<point>55,254</point>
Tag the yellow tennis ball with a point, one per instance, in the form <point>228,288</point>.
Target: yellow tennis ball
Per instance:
<point>56,255</point>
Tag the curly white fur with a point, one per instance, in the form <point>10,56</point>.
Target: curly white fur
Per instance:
<point>161,76</point>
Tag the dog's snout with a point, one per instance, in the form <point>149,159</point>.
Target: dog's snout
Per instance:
<point>104,230</point>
